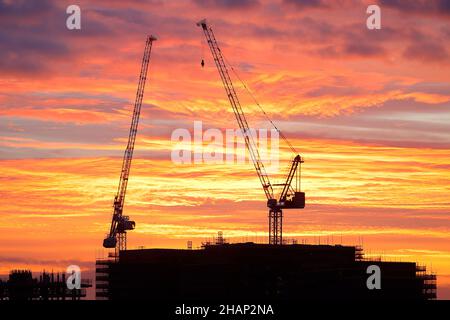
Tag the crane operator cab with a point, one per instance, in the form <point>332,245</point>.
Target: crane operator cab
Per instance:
<point>290,197</point>
<point>293,201</point>
<point>125,224</point>
<point>297,201</point>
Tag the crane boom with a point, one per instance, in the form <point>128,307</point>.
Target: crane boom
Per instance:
<point>289,198</point>
<point>120,223</point>
<point>237,109</point>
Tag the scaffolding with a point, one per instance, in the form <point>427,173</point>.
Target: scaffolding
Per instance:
<point>102,272</point>
<point>429,281</point>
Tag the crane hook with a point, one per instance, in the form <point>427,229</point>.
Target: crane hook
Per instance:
<point>203,63</point>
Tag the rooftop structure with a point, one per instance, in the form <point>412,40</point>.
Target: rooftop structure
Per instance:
<point>259,271</point>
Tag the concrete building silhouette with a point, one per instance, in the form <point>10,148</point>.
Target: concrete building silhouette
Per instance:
<point>257,271</point>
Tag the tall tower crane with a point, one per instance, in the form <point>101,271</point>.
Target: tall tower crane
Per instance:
<point>290,196</point>
<point>120,224</point>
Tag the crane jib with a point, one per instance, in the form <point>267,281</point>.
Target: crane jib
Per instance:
<point>237,109</point>
<point>289,198</point>
<point>120,223</point>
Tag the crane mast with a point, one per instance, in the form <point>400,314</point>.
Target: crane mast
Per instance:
<point>117,237</point>
<point>289,198</point>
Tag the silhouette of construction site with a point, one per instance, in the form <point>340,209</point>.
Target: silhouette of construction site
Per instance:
<point>258,271</point>
<point>21,286</point>
<point>221,270</point>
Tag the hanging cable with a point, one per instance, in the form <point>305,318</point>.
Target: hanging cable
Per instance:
<point>260,107</point>
<point>203,55</point>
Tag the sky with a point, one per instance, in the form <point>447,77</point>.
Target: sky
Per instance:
<point>367,109</point>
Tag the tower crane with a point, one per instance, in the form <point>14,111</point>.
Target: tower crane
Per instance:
<point>290,196</point>
<point>120,224</point>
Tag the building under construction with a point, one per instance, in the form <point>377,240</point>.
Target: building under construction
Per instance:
<point>221,271</point>
<point>246,270</point>
<point>21,286</point>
